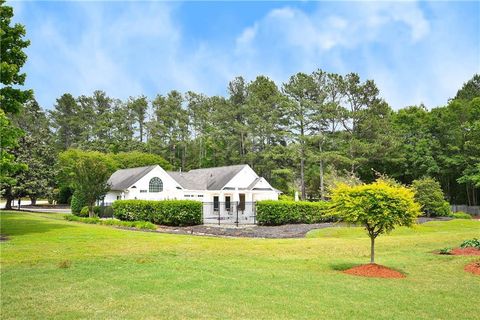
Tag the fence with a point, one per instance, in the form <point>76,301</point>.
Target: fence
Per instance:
<point>475,210</point>
<point>238,213</point>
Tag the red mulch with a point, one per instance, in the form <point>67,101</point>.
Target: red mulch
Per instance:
<point>375,271</point>
<point>469,251</point>
<point>473,267</point>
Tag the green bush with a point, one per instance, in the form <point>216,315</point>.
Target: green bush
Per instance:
<point>77,203</point>
<point>429,195</point>
<point>474,243</point>
<point>113,222</point>
<point>274,213</point>
<point>165,212</point>
<point>446,251</point>
<point>460,215</point>
<point>84,212</point>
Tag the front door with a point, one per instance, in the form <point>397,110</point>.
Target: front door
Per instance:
<point>241,203</point>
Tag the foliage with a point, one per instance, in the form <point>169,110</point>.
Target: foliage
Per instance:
<point>8,139</point>
<point>133,159</point>
<point>474,243</point>
<point>379,207</point>
<point>65,194</point>
<point>429,195</point>
<point>87,172</point>
<point>165,212</point>
<point>12,59</point>
<point>460,215</point>
<point>77,203</point>
<point>112,222</point>
<point>84,212</point>
<point>445,251</point>
<point>272,213</point>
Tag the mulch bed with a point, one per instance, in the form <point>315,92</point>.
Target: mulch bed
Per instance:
<point>469,251</point>
<point>374,270</point>
<point>473,267</point>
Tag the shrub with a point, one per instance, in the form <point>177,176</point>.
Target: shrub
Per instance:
<point>77,203</point>
<point>429,195</point>
<point>460,215</point>
<point>103,211</point>
<point>273,213</point>
<point>84,212</point>
<point>445,251</point>
<point>113,222</point>
<point>165,212</point>
<point>474,243</point>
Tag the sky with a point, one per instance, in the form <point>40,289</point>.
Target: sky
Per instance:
<point>416,52</point>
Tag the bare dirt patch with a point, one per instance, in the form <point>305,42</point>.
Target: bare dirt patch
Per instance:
<point>374,270</point>
<point>473,267</point>
<point>469,251</point>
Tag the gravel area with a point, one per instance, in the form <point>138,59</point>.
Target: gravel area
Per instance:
<point>285,231</point>
<point>252,231</point>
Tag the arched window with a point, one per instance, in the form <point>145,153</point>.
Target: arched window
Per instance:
<point>156,185</point>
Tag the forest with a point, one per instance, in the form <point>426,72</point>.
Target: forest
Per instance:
<point>302,135</point>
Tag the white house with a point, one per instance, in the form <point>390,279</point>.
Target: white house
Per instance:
<point>227,193</point>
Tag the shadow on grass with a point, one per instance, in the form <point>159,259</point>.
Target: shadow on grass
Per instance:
<point>342,266</point>
<point>17,224</point>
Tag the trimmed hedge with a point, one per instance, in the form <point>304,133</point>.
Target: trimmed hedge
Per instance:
<point>164,212</point>
<point>274,213</point>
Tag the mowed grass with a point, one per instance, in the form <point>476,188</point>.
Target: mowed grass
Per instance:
<point>51,268</point>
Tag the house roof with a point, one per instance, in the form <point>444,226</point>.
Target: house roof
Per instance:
<point>208,178</point>
<point>124,178</point>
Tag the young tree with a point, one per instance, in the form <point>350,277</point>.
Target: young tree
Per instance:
<point>87,172</point>
<point>379,207</point>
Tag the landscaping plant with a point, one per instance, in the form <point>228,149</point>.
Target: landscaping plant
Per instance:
<point>379,207</point>
<point>474,243</point>
<point>429,194</point>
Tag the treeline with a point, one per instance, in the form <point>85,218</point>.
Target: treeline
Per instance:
<point>303,135</point>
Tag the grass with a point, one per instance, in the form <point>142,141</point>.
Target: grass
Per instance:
<point>52,268</point>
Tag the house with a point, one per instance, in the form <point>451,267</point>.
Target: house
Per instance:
<point>227,193</point>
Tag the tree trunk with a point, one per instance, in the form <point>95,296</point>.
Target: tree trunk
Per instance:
<point>372,250</point>
<point>8,205</point>
<point>90,210</point>
<point>33,201</point>
<point>302,175</point>
<point>322,188</point>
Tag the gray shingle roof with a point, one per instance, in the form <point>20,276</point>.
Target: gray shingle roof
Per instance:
<point>208,178</point>
<point>124,178</point>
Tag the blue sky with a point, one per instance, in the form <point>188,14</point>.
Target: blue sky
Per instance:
<point>417,52</point>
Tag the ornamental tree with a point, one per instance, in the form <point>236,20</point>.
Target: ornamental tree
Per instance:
<point>379,207</point>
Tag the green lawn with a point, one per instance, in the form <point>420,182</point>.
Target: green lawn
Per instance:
<point>116,274</point>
